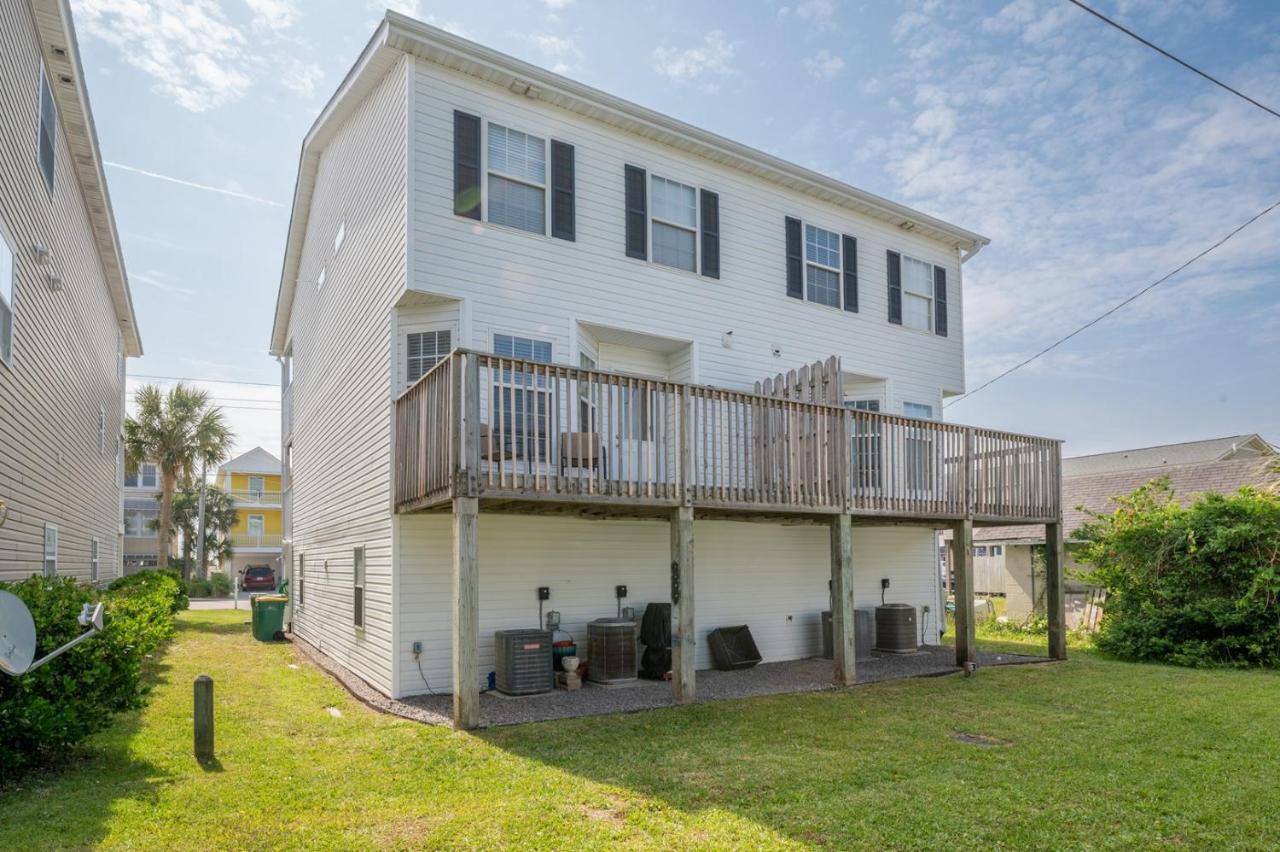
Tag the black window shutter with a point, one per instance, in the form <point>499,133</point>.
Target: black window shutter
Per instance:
<point>466,165</point>
<point>637,213</point>
<point>940,301</point>
<point>710,233</point>
<point>895,287</point>
<point>562,200</point>
<point>795,260</point>
<point>850,251</point>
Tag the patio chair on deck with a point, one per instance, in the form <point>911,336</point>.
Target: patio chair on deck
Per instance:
<point>580,450</point>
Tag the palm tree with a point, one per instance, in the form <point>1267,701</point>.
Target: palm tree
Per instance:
<point>220,516</point>
<point>181,433</point>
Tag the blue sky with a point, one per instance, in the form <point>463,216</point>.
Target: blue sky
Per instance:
<point>1093,164</point>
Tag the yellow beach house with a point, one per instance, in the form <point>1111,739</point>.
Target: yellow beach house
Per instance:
<point>253,481</point>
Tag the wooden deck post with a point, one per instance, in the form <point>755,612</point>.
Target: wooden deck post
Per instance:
<point>466,613</point>
<point>683,644</point>
<point>1055,596</point>
<point>842,626</point>
<point>962,550</point>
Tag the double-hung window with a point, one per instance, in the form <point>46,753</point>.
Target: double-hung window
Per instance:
<point>93,560</point>
<point>48,129</point>
<point>146,475</point>
<point>517,167</point>
<point>256,485</point>
<point>917,296</point>
<point>8,273</point>
<point>521,399</point>
<point>138,523</point>
<point>822,266</point>
<point>675,223</point>
<point>50,550</point>
<point>423,350</point>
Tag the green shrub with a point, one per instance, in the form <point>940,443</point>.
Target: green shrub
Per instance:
<point>1194,586</point>
<point>198,588</point>
<point>45,712</point>
<point>220,584</point>
<point>167,583</point>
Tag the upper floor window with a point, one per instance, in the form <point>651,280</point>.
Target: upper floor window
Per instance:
<point>918,409</point>
<point>863,404</point>
<point>256,485</point>
<point>340,237</point>
<point>7,275</point>
<point>822,266</point>
<point>675,223</point>
<point>423,350</point>
<point>48,129</point>
<point>324,273</point>
<point>509,346</point>
<point>917,294</point>
<point>146,475</point>
<point>517,179</point>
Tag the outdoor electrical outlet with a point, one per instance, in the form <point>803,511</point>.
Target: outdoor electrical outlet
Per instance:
<point>884,582</point>
<point>620,591</point>
<point>544,593</point>
<point>417,648</point>
<point>924,608</point>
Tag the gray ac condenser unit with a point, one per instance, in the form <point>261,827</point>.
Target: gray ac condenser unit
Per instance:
<point>523,664</point>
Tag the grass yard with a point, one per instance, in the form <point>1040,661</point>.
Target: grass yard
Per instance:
<point>1096,754</point>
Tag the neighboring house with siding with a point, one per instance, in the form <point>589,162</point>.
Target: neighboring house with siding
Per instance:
<point>141,512</point>
<point>509,294</point>
<point>253,481</point>
<point>66,317</point>
<point>1005,557</point>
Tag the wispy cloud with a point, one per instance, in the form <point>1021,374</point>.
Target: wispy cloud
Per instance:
<point>557,5</point>
<point>562,52</point>
<point>819,13</point>
<point>711,59</point>
<point>823,65</point>
<point>160,281</point>
<point>274,14</point>
<point>204,187</point>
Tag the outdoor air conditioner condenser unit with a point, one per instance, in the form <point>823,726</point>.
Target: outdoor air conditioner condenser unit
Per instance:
<point>896,628</point>
<point>611,650</point>
<point>523,664</point>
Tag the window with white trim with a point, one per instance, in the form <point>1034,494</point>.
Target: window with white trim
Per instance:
<point>517,172</point>
<point>357,580</point>
<point>917,294</point>
<point>919,447</point>
<point>146,475</point>
<point>138,523</point>
<point>324,273</point>
<point>520,399</point>
<point>50,550</point>
<point>48,129</point>
<point>423,350</point>
<point>918,409</point>
<point>340,237</point>
<point>822,266</point>
<point>8,272</point>
<point>257,527</point>
<point>256,485</point>
<point>93,560</point>
<point>102,429</point>
<point>675,223</point>
<point>865,444</point>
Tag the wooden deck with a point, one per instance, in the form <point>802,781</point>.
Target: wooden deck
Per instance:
<point>526,436</point>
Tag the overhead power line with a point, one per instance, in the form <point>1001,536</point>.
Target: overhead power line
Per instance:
<point>1114,308</point>
<point>197,379</point>
<point>1157,48</point>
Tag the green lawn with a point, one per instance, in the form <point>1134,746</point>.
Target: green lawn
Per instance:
<point>1098,754</point>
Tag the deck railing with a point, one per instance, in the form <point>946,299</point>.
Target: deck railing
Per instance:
<point>483,425</point>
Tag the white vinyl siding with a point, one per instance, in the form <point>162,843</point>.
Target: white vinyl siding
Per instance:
<point>675,223</point>
<point>917,294</point>
<point>517,168</point>
<point>822,266</point>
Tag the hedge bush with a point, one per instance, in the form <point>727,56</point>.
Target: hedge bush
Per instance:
<point>46,712</point>
<point>1194,586</point>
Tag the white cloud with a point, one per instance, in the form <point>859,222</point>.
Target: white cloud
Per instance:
<point>412,8</point>
<point>273,14</point>
<point>823,65</point>
<point>563,53</point>
<point>820,13</point>
<point>712,58</point>
<point>301,77</point>
<point>557,5</point>
<point>195,56</point>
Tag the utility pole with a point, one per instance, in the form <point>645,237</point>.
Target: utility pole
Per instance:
<point>200,525</point>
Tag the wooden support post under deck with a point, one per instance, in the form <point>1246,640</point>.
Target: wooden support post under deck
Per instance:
<point>842,630</point>
<point>1055,597</point>
<point>683,644</point>
<point>466,613</point>
<point>962,550</point>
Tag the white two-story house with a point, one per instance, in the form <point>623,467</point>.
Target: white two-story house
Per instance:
<point>538,337</point>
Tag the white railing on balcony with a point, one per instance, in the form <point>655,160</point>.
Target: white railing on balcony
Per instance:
<point>251,540</point>
<point>483,425</point>
<point>255,496</point>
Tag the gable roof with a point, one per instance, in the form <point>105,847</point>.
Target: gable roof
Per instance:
<point>1188,452</point>
<point>256,460</point>
<point>398,35</point>
<point>61,54</point>
<point>1094,492</point>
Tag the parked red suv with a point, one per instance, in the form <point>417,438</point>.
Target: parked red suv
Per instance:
<point>258,578</point>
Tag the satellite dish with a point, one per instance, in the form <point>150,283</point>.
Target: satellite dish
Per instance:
<point>17,635</point>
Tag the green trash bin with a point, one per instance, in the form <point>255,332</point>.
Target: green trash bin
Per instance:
<point>268,617</point>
